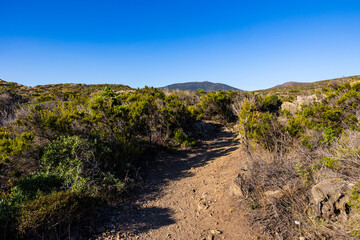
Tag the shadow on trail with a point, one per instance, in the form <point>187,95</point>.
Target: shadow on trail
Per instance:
<point>171,167</point>
<point>138,219</point>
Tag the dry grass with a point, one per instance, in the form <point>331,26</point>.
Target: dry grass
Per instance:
<point>277,187</point>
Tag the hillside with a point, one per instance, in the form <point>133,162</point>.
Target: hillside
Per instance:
<point>308,87</point>
<point>287,84</point>
<point>166,161</point>
<point>194,86</point>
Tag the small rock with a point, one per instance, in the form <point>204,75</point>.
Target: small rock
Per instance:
<point>215,232</point>
<point>235,190</point>
<point>202,205</point>
<point>274,194</point>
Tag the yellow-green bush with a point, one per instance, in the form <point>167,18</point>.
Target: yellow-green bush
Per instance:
<point>12,146</point>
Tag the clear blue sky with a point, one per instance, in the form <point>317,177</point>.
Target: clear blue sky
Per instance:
<point>247,44</point>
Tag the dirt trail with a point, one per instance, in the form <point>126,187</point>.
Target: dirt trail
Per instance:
<point>186,196</point>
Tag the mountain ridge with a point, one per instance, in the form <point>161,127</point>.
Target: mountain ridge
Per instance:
<point>287,84</point>
<point>194,86</point>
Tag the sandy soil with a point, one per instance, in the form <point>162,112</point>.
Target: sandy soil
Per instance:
<point>187,196</point>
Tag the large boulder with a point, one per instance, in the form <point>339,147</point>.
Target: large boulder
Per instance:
<point>331,197</point>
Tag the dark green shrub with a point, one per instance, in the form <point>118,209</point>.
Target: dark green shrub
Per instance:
<point>217,106</point>
<point>183,139</point>
<point>37,184</point>
<point>271,103</point>
<point>51,215</point>
<point>294,127</point>
<point>8,217</point>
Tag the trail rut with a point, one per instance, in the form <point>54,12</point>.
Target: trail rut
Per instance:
<point>186,196</point>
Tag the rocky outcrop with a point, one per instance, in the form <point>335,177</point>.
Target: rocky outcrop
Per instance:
<point>331,197</point>
<point>301,100</point>
<point>291,107</point>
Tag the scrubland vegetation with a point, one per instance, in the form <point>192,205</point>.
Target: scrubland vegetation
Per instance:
<point>296,138</point>
<point>65,149</point>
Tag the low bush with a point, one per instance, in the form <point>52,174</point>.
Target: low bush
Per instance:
<point>183,139</point>
<point>51,216</point>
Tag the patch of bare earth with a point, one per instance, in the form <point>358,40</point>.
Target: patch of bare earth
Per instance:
<point>187,196</point>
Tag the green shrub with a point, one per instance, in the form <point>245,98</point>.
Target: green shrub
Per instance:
<point>356,86</point>
<point>330,162</point>
<point>217,106</point>
<point>329,135</point>
<point>62,158</point>
<point>9,213</point>
<point>294,127</point>
<point>47,214</point>
<point>271,103</point>
<point>261,127</point>
<point>182,138</point>
<point>13,146</point>
<point>303,172</point>
<point>37,184</point>
<point>82,164</point>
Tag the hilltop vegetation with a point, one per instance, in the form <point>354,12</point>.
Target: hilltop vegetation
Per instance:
<point>68,148</point>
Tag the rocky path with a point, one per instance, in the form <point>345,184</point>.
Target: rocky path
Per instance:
<point>187,196</point>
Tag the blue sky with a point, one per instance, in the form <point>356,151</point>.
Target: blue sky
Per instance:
<point>247,44</point>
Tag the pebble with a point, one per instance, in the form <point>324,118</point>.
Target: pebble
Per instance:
<point>215,232</point>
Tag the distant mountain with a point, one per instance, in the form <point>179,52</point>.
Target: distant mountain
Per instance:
<point>194,86</point>
<point>287,84</point>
